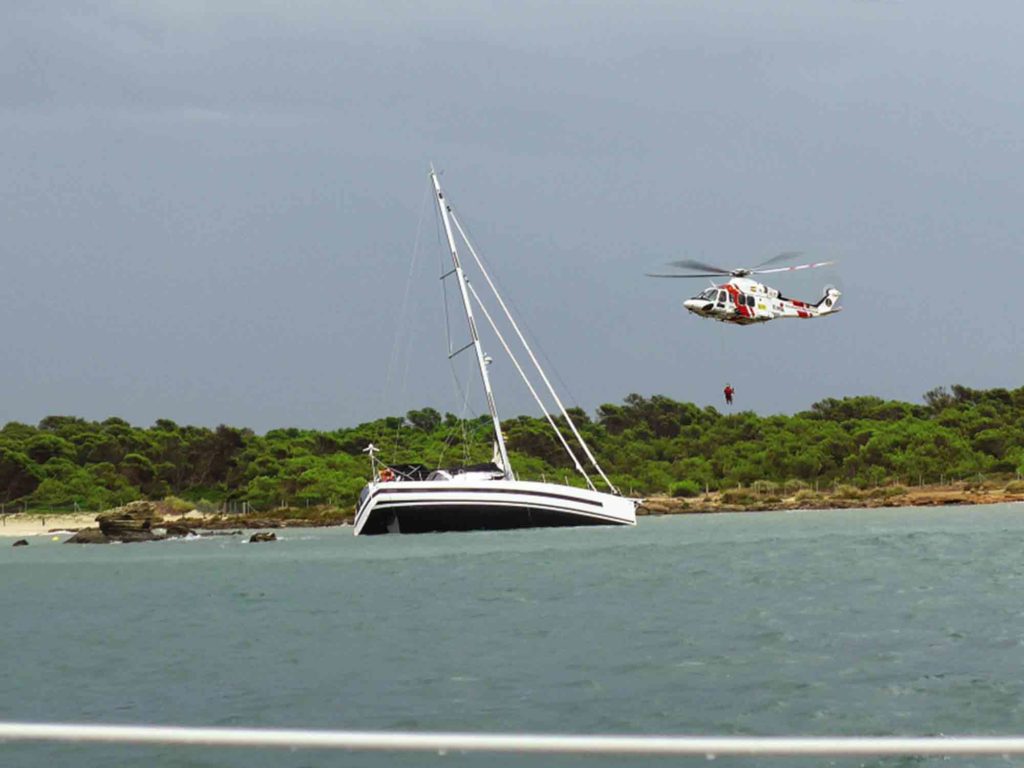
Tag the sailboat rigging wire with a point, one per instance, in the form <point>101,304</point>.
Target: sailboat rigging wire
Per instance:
<point>529,385</point>
<point>445,210</point>
<point>533,358</point>
<point>463,394</point>
<point>535,340</point>
<point>402,323</point>
<point>444,292</point>
<point>460,349</point>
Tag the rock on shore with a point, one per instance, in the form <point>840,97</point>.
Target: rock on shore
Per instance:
<point>89,536</point>
<point>130,523</point>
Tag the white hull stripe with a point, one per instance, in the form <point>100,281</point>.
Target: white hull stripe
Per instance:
<point>469,489</point>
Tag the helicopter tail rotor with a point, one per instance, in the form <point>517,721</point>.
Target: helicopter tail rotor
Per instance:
<point>830,301</point>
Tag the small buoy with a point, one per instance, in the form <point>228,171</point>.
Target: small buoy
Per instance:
<point>55,538</point>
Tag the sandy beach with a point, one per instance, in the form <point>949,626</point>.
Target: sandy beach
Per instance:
<point>22,525</point>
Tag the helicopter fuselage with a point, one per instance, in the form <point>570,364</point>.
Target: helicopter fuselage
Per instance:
<point>743,301</point>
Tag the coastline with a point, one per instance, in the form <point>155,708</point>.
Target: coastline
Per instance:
<point>23,525</point>
<point>844,497</point>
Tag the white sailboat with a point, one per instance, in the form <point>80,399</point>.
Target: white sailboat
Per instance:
<point>415,499</point>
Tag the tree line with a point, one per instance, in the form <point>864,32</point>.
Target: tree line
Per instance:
<point>647,445</point>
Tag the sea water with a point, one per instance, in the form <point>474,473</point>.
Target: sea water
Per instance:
<point>893,621</point>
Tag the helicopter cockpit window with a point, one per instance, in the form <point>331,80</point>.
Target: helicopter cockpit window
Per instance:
<point>721,297</point>
<point>708,293</point>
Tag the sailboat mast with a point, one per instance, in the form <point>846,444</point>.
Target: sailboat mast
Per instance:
<point>442,206</point>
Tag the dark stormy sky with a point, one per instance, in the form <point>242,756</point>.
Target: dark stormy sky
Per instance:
<point>210,211</point>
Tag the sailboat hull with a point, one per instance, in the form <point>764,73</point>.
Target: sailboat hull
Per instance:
<point>434,507</point>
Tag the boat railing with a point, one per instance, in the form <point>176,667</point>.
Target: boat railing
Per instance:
<point>709,747</point>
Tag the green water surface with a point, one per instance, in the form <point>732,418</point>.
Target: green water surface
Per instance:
<point>896,621</point>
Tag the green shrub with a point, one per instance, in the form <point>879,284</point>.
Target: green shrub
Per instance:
<point>885,492</point>
<point>807,496</point>
<point>794,486</point>
<point>687,488</point>
<point>737,496</point>
<point>207,507</point>
<point>848,492</point>
<point>174,505</point>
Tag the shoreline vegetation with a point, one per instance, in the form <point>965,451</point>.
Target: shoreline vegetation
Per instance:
<point>959,446</point>
<point>758,498</point>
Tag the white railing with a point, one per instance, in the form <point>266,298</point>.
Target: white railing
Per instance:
<point>706,746</point>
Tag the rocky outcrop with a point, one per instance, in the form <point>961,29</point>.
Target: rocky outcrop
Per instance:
<point>20,543</point>
<point>178,530</point>
<point>662,505</point>
<point>137,521</point>
<point>130,523</point>
<point>232,522</point>
<point>89,536</point>
<point>262,536</point>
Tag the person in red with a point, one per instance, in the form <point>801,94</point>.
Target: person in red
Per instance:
<point>728,394</point>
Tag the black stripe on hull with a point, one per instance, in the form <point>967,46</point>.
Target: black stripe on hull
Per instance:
<point>440,518</point>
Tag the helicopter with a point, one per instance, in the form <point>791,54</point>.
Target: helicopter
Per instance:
<point>744,301</point>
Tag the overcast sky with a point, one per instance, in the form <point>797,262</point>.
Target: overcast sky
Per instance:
<point>212,215</point>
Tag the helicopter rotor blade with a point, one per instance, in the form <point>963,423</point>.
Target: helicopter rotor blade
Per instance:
<point>709,270</point>
<point>780,257</point>
<point>791,269</point>
<point>692,264</point>
<point>711,274</point>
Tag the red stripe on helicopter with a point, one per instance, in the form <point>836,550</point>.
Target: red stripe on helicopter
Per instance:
<point>743,309</point>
